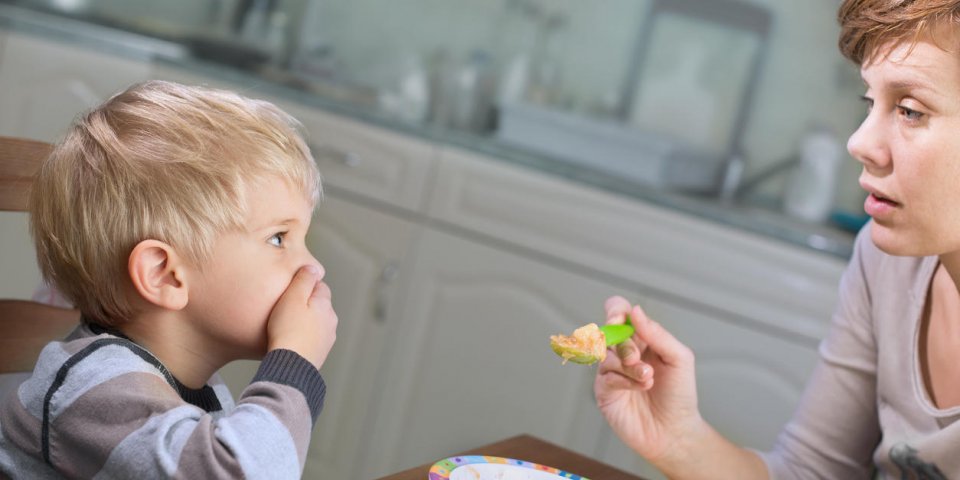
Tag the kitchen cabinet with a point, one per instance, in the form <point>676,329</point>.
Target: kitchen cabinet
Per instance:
<point>752,310</point>
<point>366,270</point>
<point>45,83</point>
<point>469,359</point>
<point>359,159</point>
<point>758,281</point>
<point>450,269</point>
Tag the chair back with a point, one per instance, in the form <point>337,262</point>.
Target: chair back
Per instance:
<point>25,326</point>
<point>19,161</point>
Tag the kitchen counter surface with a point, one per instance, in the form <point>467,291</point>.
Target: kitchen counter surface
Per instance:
<point>361,105</point>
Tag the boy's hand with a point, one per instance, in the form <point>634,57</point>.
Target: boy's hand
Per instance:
<point>303,319</point>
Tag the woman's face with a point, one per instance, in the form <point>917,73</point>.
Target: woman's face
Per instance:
<point>909,146</point>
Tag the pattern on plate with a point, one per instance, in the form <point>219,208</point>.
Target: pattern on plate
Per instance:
<point>442,469</point>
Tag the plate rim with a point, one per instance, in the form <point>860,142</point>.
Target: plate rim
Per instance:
<point>443,468</point>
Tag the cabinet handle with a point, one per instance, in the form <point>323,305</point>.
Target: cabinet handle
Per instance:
<point>387,276</point>
<point>347,159</point>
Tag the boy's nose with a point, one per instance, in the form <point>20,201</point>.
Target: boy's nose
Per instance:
<point>310,260</point>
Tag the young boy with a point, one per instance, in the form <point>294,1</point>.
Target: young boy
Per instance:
<point>174,218</point>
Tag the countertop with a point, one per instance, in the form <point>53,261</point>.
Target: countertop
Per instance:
<point>766,222</point>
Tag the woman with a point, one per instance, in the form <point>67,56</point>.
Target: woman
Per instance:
<point>885,394</point>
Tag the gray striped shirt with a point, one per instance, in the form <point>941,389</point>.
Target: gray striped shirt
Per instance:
<point>100,406</point>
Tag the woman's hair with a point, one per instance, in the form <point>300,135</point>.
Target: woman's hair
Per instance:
<point>158,161</point>
<point>866,26</point>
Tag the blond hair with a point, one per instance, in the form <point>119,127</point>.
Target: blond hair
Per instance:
<point>157,161</point>
<point>866,26</point>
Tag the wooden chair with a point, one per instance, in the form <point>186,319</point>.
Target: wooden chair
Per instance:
<point>25,326</point>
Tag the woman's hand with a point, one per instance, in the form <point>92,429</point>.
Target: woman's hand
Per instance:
<point>646,390</point>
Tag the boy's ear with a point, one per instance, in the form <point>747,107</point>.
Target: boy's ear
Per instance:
<point>158,274</point>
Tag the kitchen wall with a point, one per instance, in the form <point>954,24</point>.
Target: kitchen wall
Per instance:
<point>805,82</point>
<point>585,50</point>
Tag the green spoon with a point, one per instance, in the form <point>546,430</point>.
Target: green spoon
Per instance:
<point>617,333</point>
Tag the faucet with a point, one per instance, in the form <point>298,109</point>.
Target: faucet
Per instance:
<point>733,186</point>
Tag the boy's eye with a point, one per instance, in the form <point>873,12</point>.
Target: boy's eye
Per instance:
<point>868,101</point>
<point>277,239</point>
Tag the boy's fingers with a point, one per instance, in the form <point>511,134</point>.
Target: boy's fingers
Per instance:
<point>320,290</point>
<point>303,283</point>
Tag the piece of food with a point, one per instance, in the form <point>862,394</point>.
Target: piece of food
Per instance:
<point>587,345</point>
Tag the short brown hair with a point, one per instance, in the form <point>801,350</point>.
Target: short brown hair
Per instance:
<point>868,25</point>
<point>159,161</point>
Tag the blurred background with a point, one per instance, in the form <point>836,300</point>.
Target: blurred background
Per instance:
<point>708,98</point>
<point>493,170</point>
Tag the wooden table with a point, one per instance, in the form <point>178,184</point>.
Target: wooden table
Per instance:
<point>532,449</point>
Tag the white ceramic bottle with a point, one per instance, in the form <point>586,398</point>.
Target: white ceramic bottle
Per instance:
<point>810,193</point>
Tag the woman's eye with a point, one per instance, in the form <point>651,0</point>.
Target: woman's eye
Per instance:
<point>277,239</point>
<point>909,114</point>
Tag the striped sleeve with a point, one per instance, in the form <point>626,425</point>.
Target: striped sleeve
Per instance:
<point>111,410</point>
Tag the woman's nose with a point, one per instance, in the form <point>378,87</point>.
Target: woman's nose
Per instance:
<point>868,144</point>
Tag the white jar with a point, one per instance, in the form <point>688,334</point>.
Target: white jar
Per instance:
<point>810,193</point>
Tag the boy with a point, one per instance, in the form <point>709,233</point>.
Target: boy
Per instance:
<point>174,218</point>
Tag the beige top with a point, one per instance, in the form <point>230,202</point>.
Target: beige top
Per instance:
<point>866,406</point>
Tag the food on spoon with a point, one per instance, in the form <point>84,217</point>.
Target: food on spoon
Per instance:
<point>586,346</point>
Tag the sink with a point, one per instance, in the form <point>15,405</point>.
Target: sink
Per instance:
<point>226,50</point>
<point>611,147</point>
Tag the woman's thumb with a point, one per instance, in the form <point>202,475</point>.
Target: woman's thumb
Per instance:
<point>670,350</point>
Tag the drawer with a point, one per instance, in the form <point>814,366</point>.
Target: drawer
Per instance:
<point>367,160</point>
<point>723,271</point>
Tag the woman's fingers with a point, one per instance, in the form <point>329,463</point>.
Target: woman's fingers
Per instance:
<point>661,342</point>
<point>634,372</point>
<point>630,351</point>
<point>616,307</point>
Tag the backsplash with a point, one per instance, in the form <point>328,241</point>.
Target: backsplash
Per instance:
<point>804,83</point>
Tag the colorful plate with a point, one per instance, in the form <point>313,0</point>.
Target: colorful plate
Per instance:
<point>480,467</point>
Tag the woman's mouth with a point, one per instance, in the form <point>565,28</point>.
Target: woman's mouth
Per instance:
<point>877,205</point>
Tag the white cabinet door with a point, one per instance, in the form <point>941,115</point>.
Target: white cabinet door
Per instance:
<point>771,283</point>
<point>748,382</point>
<point>45,83</point>
<point>470,361</point>
<point>364,254</point>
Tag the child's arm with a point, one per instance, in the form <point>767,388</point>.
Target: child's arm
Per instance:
<point>108,410</point>
<point>105,405</point>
